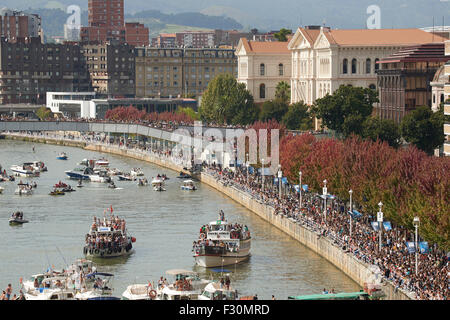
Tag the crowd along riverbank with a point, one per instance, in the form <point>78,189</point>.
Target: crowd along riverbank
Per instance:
<point>357,270</point>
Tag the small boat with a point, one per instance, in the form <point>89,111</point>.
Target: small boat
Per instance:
<point>100,288</point>
<point>57,193</point>
<point>62,156</point>
<point>17,218</point>
<point>187,286</point>
<point>137,172</point>
<point>100,176</point>
<point>114,172</point>
<point>60,185</point>
<point>50,294</point>
<point>184,176</point>
<point>68,189</point>
<point>1,190</point>
<point>102,163</point>
<point>188,185</point>
<point>142,182</point>
<point>158,185</point>
<point>79,173</point>
<point>126,177</point>
<point>24,171</point>
<point>139,292</point>
<point>24,191</point>
<point>217,291</point>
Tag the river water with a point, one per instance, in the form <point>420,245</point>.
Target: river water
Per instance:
<point>164,223</point>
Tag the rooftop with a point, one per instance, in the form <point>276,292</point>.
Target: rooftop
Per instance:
<point>418,53</point>
<point>265,46</point>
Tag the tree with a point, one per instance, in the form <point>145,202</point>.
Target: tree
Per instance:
<point>273,109</point>
<point>298,117</point>
<point>226,101</point>
<point>189,112</point>
<point>282,34</point>
<point>283,91</point>
<point>423,128</point>
<point>386,130</point>
<point>346,109</point>
<point>44,113</point>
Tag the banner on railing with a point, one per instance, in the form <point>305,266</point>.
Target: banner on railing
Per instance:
<point>387,226</point>
<point>375,225</point>
<point>411,246</point>
<point>423,247</point>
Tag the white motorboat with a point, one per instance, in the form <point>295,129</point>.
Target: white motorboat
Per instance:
<point>37,166</point>
<point>137,172</point>
<point>114,172</point>
<point>188,185</point>
<point>218,291</point>
<point>187,286</point>
<point>24,171</point>
<point>139,292</point>
<point>100,286</point>
<point>79,173</point>
<point>222,243</point>
<point>121,244</point>
<point>158,185</point>
<point>100,176</point>
<point>51,294</point>
<point>62,156</point>
<point>126,177</point>
<point>102,163</point>
<point>22,190</point>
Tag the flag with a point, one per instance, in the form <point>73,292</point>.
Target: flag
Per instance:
<point>375,226</point>
<point>411,246</point>
<point>423,247</point>
<point>387,225</point>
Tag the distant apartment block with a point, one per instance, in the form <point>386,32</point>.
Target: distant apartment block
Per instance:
<point>173,72</point>
<point>17,24</point>
<point>447,100</point>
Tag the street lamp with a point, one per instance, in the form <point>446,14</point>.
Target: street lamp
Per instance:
<point>324,192</point>
<point>351,210</point>
<point>300,189</point>
<point>380,221</point>
<point>262,174</point>
<point>416,223</point>
<point>280,175</point>
<point>246,163</point>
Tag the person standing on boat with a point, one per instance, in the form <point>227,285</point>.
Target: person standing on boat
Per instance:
<point>8,291</point>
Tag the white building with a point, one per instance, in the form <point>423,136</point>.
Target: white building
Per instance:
<point>323,59</point>
<point>72,104</point>
<point>262,65</point>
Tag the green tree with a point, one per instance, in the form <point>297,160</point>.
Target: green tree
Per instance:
<point>226,101</point>
<point>44,113</point>
<point>346,109</point>
<point>189,112</point>
<point>282,34</point>
<point>298,117</point>
<point>386,130</point>
<point>423,128</point>
<point>283,91</point>
<point>273,109</point>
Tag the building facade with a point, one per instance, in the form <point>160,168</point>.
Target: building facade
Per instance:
<point>111,68</point>
<point>107,24</point>
<point>17,24</point>
<point>173,72</point>
<point>404,80</point>
<point>324,59</point>
<point>262,65</point>
<point>29,69</point>
<point>447,100</point>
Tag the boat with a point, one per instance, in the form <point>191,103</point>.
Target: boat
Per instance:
<point>60,185</point>
<point>122,244</point>
<point>79,173</point>
<point>187,286</point>
<point>62,156</point>
<point>114,172</point>
<point>1,190</point>
<point>184,176</point>
<point>24,171</point>
<point>188,185</point>
<point>57,192</point>
<point>158,185</point>
<point>100,286</point>
<point>51,294</point>
<point>38,166</point>
<point>102,163</point>
<point>142,182</point>
<point>137,172</point>
<point>17,218</point>
<point>360,295</point>
<point>50,288</point>
<point>222,243</point>
<point>68,189</point>
<point>22,190</point>
<point>80,183</point>
<point>100,176</point>
<point>217,291</point>
<point>139,292</point>
<point>126,177</point>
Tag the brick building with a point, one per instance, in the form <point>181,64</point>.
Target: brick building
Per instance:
<point>17,24</point>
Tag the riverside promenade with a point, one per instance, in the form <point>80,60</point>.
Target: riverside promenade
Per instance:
<point>357,270</point>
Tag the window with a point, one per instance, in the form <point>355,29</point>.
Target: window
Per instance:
<point>280,69</point>
<point>368,65</point>
<point>345,66</point>
<point>377,66</point>
<point>262,69</point>
<point>373,87</point>
<point>262,91</point>
<point>353,65</point>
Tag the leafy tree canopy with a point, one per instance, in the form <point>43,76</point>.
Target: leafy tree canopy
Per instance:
<point>297,117</point>
<point>282,34</point>
<point>273,109</point>
<point>386,130</point>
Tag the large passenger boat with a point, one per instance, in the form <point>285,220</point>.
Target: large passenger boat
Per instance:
<point>222,243</point>
<point>108,238</point>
